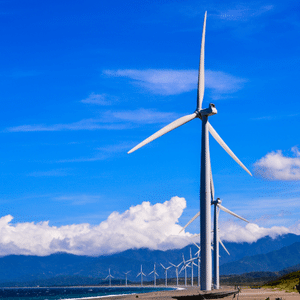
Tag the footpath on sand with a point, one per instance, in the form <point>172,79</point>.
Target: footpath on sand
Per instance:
<point>191,293</point>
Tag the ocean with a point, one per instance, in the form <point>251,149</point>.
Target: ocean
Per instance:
<point>56,293</point>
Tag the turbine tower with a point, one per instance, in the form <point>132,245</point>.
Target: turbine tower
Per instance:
<point>142,274</point>
<point>166,273</point>
<point>205,192</point>
<point>154,273</point>
<point>126,277</point>
<point>109,276</point>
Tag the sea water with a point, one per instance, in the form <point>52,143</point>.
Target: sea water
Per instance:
<point>56,293</point>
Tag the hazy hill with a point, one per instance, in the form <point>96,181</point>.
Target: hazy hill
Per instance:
<point>272,261</point>
<point>289,282</point>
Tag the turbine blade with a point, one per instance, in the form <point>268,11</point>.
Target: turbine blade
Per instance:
<point>190,221</point>
<point>225,147</point>
<point>150,273</point>
<point>224,246</point>
<point>162,265</point>
<point>200,91</point>
<point>230,212</point>
<point>196,245</point>
<point>165,130</point>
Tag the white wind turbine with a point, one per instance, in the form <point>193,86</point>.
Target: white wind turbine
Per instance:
<point>109,276</point>
<point>166,273</point>
<point>184,267</point>
<point>216,238</point>
<point>198,259</point>
<point>191,260</point>
<point>142,274</point>
<point>126,277</point>
<point>154,273</point>
<point>205,203</point>
<point>176,267</point>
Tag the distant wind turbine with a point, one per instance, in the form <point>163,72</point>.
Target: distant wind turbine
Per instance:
<point>184,267</point>
<point>205,203</point>
<point>154,273</point>
<point>176,267</point>
<point>126,277</point>
<point>109,276</point>
<point>166,274</point>
<point>142,274</point>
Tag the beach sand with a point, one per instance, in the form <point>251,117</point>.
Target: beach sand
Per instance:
<point>245,294</point>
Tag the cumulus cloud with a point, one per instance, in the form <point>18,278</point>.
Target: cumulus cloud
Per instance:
<point>172,82</point>
<point>234,232</point>
<point>276,166</point>
<point>145,225</point>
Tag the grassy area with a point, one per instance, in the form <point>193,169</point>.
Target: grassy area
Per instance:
<point>289,282</point>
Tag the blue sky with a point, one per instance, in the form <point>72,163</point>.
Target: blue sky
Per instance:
<point>82,83</point>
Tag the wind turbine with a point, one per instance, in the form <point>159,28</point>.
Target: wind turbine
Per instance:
<point>191,260</point>
<point>166,273</point>
<point>142,274</point>
<point>185,265</point>
<point>126,277</point>
<point>205,203</point>
<point>109,276</point>
<point>176,267</point>
<point>198,258</point>
<point>216,238</point>
<point>154,273</point>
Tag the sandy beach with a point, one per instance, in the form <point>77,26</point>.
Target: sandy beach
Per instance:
<point>194,293</point>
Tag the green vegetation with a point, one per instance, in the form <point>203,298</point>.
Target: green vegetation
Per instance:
<point>289,282</point>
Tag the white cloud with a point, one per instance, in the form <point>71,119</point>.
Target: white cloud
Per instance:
<point>276,166</point>
<point>234,232</point>
<point>144,225</point>
<point>109,120</point>
<point>98,99</point>
<point>172,82</point>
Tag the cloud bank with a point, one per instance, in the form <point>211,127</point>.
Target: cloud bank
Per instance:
<point>234,232</point>
<point>276,166</point>
<point>172,82</point>
<point>144,225</point>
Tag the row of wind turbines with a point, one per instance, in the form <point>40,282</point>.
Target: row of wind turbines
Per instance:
<point>190,263</point>
<point>206,183</point>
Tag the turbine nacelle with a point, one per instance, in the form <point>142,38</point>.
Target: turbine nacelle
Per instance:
<point>210,111</point>
<point>217,201</point>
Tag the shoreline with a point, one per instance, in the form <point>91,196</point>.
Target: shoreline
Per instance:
<point>194,293</point>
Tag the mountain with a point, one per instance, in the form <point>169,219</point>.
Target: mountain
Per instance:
<point>264,245</point>
<point>266,254</point>
<point>271,261</point>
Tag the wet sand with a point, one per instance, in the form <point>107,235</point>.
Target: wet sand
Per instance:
<point>191,293</point>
